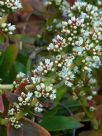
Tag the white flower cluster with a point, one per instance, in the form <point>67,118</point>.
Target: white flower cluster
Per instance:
<point>72,30</point>
<point>38,108</point>
<point>24,99</point>
<point>20,75</point>
<point>12,5</point>
<point>88,12</point>
<point>78,47</point>
<point>37,98</point>
<point>92,62</point>
<point>45,91</point>
<point>14,122</point>
<point>36,77</point>
<point>66,73</point>
<point>8,28</point>
<point>59,60</point>
<point>58,43</point>
<point>41,90</point>
<point>44,67</point>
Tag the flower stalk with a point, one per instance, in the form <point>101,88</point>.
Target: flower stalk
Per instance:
<point>9,87</point>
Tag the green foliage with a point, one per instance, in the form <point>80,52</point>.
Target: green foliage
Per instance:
<point>58,123</point>
<point>7,60</point>
<point>2,131</point>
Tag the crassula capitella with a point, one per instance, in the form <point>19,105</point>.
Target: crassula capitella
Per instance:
<point>74,54</point>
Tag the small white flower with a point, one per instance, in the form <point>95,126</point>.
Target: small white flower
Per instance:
<point>20,99</point>
<point>89,97</point>
<point>92,108</point>
<point>13,119</point>
<point>94,92</point>
<point>29,95</point>
<point>11,111</point>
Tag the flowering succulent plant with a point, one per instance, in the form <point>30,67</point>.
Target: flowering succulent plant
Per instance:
<point>74,55</point>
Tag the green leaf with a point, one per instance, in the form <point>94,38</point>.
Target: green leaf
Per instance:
<point>7,60</point>
<point>2,131</point>
<point>59,94</point>
<point>19,67</point>
<point>1,39</point>
<point>58,123</point>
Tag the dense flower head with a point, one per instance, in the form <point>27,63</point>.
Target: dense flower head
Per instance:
<point>11,114</point>
<point>58,43</point>
<point>38,99</point>
<point>90,13</point>
<point>78,47</point>
<point>45,66</point>
<point>45,91</point>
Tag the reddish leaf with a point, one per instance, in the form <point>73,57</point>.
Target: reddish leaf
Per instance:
<point>98,112</point>
<point>37,5</point>
<point>29,128</point>
<point>28,21</point>
<point>26,6</point>
<point>14,132</point>
<point>11,97</point>
<point>21,86</point>
<point>71,2</point>
<point>98,99</point>
<point>91,133</point>
<point>1,104</point>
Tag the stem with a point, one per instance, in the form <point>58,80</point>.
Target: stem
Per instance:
<point>82,102</point>
<point>90,116</point>
<point>6,87</point>
<point>9,87</point>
